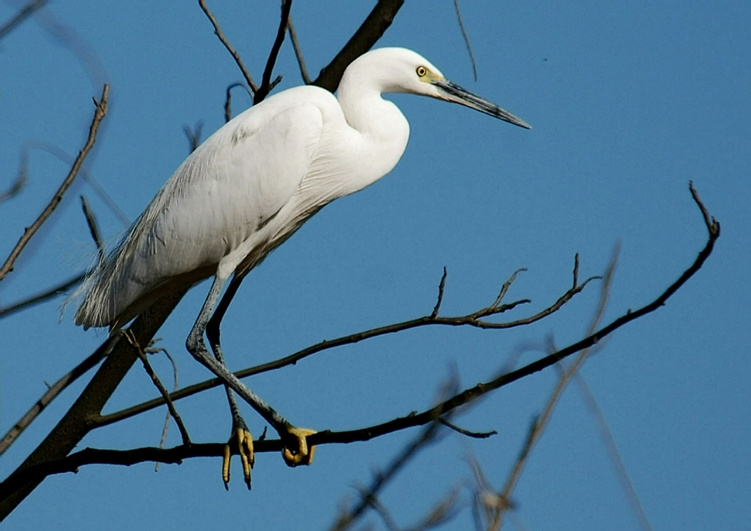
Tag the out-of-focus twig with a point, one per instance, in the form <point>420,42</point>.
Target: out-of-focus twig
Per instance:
<point>369,496</point>
<point>612,449</point>
<point>93,228</point>
<point>41,297</point>
<point>23,13</point>
<point>20,181</point>
<point>193,135</point>
<point>541,421</point>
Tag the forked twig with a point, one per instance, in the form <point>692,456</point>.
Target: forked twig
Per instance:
<point>131,338</point>
<point>472,319</point>
<point>266,84</point>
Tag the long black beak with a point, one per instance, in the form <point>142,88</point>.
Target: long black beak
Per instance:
<point>457,94</point>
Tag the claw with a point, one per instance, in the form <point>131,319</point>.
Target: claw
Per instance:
<point>242,442</point>
<point>301,454</point>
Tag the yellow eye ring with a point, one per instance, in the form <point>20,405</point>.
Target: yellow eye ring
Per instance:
<point>421,71</point>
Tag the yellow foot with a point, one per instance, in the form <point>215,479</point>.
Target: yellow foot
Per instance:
<point>299,453</point>
<point>240,442</point>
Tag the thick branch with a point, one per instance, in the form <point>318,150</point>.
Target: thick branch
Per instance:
<point>77,422</point>
<point>372,29</point>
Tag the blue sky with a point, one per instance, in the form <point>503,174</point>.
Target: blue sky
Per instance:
<point>627,102</point>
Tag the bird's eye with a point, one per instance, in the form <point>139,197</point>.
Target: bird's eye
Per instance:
<point>421,71</point>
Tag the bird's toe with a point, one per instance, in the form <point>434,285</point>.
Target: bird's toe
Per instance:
<point>296,450</point>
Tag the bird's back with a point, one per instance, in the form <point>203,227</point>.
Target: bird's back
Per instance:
<point>223,195</point>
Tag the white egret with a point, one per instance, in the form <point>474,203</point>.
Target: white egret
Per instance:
<point>247,189</point>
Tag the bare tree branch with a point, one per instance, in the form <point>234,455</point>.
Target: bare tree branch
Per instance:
<point>471,319</point>
<point>228,100</point>
<point>131,338</point>
<point>227,45</point>
<point>265,87</point>
<point>381,478</point>
<point>41,297</point>
<point>612,449</point>
<point>76,423</point>
<point>539,424</point>
<point>20,181</point>
<point>93,228</point>
<point>50,457</point>
<point>372,29</point>
<point>52,392</point>
<point>193,134</point>
<point>466,37</point>
<point>29,232</point>
<point>470,394</point>
<point>298,51</point>
<point>24,13</point>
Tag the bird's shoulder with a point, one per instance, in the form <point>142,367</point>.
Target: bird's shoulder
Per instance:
<point>305,108</point>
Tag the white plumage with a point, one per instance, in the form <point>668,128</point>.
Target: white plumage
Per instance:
<point>254,182</point>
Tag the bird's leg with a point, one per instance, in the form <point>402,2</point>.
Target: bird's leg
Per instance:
<point>295,451</point>
<point>241,439</point>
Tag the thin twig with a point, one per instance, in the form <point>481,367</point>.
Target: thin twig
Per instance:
<point>615,457</point>
<point>541,421</point>
<point>473,434</point>
<point>35,471</point>
<point>193,135</point>
<point>18,183</point>
<point>29,232</point>
<point>441,288</point>
<point>93,228</point>
<point>228,99</point>
<point>52,392</point>
<point>41,297</point>
<point>56,151</point>
<point>381,478</point>
<point>466,37</point>
<point>24,13</point>
<point>266,87</point>
<point>131,338</point>
<point>175,386</point>
<point>227,45</point>
<point>427,320</point>
<point>298,51</point>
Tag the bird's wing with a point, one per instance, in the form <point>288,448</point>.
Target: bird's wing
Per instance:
<point>238,181</point>
<point>223,192</point>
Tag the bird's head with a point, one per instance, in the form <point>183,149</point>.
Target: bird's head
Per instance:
<point>402,70</point>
